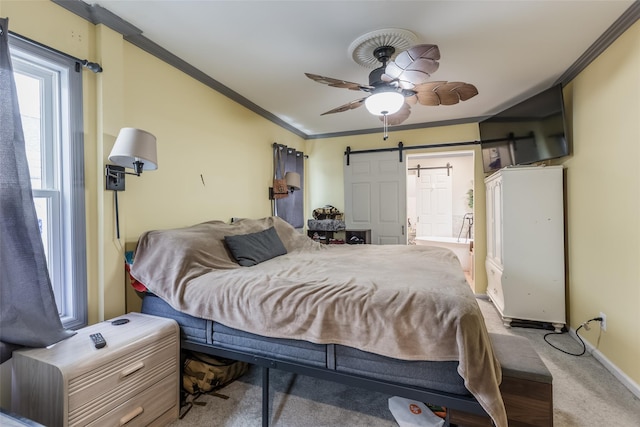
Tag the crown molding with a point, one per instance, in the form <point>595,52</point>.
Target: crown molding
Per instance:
<point>99,15</point>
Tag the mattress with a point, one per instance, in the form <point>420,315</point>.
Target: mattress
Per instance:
<point>400,315</point>
<point>439,376</point>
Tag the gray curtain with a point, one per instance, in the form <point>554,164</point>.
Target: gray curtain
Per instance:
<point>28,313</point>
<point>291,208</point>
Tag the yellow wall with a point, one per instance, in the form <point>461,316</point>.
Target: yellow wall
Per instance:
<point>201,132</point>
<point>603,200</point>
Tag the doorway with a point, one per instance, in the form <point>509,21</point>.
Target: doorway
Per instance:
<point>440,202</point>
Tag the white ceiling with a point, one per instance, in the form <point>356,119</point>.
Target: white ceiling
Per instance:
<point>261,49</point>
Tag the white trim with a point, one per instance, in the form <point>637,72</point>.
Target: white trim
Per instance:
<point>609,366</point>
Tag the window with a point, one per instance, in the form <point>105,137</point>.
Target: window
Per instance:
<point>49,86</point>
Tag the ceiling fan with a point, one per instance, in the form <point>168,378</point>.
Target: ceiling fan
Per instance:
<point>398,84</point>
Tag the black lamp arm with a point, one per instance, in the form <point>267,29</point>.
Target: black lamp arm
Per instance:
<point>115,172</point>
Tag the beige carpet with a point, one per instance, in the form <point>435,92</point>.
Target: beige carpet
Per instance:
<point>585,394</point>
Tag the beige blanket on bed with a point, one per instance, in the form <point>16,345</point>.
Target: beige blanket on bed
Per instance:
<point>405,302</point>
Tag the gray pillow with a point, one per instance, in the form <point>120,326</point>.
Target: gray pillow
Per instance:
<point>254,248</point>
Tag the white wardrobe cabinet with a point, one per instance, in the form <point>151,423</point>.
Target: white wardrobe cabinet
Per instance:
<point>525,244</point>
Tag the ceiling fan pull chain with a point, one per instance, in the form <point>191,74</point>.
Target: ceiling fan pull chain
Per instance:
<point>385,127</point>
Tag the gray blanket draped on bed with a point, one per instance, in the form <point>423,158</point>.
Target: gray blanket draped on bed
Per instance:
<point>405,302</point>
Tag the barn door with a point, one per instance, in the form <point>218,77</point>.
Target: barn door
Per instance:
<point>375,196</point>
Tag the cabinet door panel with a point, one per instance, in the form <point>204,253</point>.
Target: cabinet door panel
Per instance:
<point>494,285</point>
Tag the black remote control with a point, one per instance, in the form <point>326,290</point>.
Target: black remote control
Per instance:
<point>98,340</point>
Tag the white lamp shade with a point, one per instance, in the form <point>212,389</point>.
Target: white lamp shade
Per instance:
<point>387,102</point>
<point>135,145</point>
<point>293,180</point>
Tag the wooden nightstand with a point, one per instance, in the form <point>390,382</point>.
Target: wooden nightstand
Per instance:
<point>133,381</point>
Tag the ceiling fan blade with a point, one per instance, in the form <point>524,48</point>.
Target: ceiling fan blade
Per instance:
<point>451,93</point>
<point>338,83</point>
<point>414,66</point>
<point>346,107</point>
<point>398,117</point>
<point>411,99</point>
<point>444,93</point>
<point>466,91</point>
<point>426,93</point>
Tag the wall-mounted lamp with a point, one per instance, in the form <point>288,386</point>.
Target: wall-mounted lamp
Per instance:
<point>134,149</point>
<point>293,181</point>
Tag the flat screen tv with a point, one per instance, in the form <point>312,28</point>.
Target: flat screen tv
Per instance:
<point>528,132</point>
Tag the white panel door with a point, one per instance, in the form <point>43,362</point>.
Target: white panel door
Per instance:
<point>435,203</point>
<point>375,196</point>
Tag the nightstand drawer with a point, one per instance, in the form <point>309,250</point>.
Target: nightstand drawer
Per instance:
<point>103,389</point>
<point>74,384</point>
<point>142,410</point>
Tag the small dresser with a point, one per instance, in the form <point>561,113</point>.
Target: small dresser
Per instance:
<point>132,381</point>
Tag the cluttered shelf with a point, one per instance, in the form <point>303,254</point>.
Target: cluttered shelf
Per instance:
<point>328,226</point>
<point>339,237</point>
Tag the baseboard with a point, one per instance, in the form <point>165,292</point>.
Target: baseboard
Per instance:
<point>609,366</point>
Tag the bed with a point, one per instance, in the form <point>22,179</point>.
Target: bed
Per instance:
<point>400,319</point>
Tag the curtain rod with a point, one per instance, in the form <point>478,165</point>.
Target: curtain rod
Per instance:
<point>282,146</point>
<point>401,146</point>
<point>93,66</point>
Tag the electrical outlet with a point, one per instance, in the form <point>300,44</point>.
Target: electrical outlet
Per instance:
<point>603,323</point>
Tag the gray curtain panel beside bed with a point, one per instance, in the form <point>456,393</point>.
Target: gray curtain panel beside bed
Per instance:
<point>291,208</point>
<point>28,312</point>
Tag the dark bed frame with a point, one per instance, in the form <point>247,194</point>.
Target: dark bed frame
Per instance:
<point>466,404</point>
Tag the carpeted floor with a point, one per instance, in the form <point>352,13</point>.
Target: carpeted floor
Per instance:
<point>585,394</point>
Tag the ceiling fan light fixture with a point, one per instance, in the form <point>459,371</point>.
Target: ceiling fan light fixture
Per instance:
<point>384,102</point>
